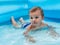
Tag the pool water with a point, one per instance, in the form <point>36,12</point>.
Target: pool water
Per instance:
<point>12,36</point>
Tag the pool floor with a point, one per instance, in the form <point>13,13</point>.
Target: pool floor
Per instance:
<point>12,36</point>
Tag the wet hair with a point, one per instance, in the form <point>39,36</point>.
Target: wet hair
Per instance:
<point>37,8</point>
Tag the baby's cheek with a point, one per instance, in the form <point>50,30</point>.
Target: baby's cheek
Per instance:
<point>31,21</point>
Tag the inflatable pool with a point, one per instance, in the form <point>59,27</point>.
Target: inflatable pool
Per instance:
<point>20,8</point>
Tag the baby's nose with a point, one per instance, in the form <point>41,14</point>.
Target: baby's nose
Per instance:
<point>34,20</point>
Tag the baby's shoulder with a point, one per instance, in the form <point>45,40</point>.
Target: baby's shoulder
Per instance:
<point>44,24</point>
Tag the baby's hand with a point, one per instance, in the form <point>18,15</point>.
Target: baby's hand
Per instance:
<point>32,40</point>
<point>25,34</point>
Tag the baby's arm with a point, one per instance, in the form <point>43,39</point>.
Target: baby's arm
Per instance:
<point>30,38</point>
<point>14,22</point>
<point>27,30</point>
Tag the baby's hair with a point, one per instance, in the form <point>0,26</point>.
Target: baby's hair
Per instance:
<point>37,8</point>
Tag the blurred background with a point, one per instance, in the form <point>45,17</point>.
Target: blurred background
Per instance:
<point>20,8</point>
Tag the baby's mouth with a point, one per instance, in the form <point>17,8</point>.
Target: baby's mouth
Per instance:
<point>34,23</point>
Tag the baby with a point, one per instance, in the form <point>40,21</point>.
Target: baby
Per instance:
<point>36,17</point>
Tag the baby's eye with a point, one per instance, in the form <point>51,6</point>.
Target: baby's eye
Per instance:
<point>36,17</point>
<point>31,17</point>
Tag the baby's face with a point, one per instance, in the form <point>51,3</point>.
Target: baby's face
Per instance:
<point>36,18</point>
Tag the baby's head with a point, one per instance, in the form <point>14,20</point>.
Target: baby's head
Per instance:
<point>36,16</point>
